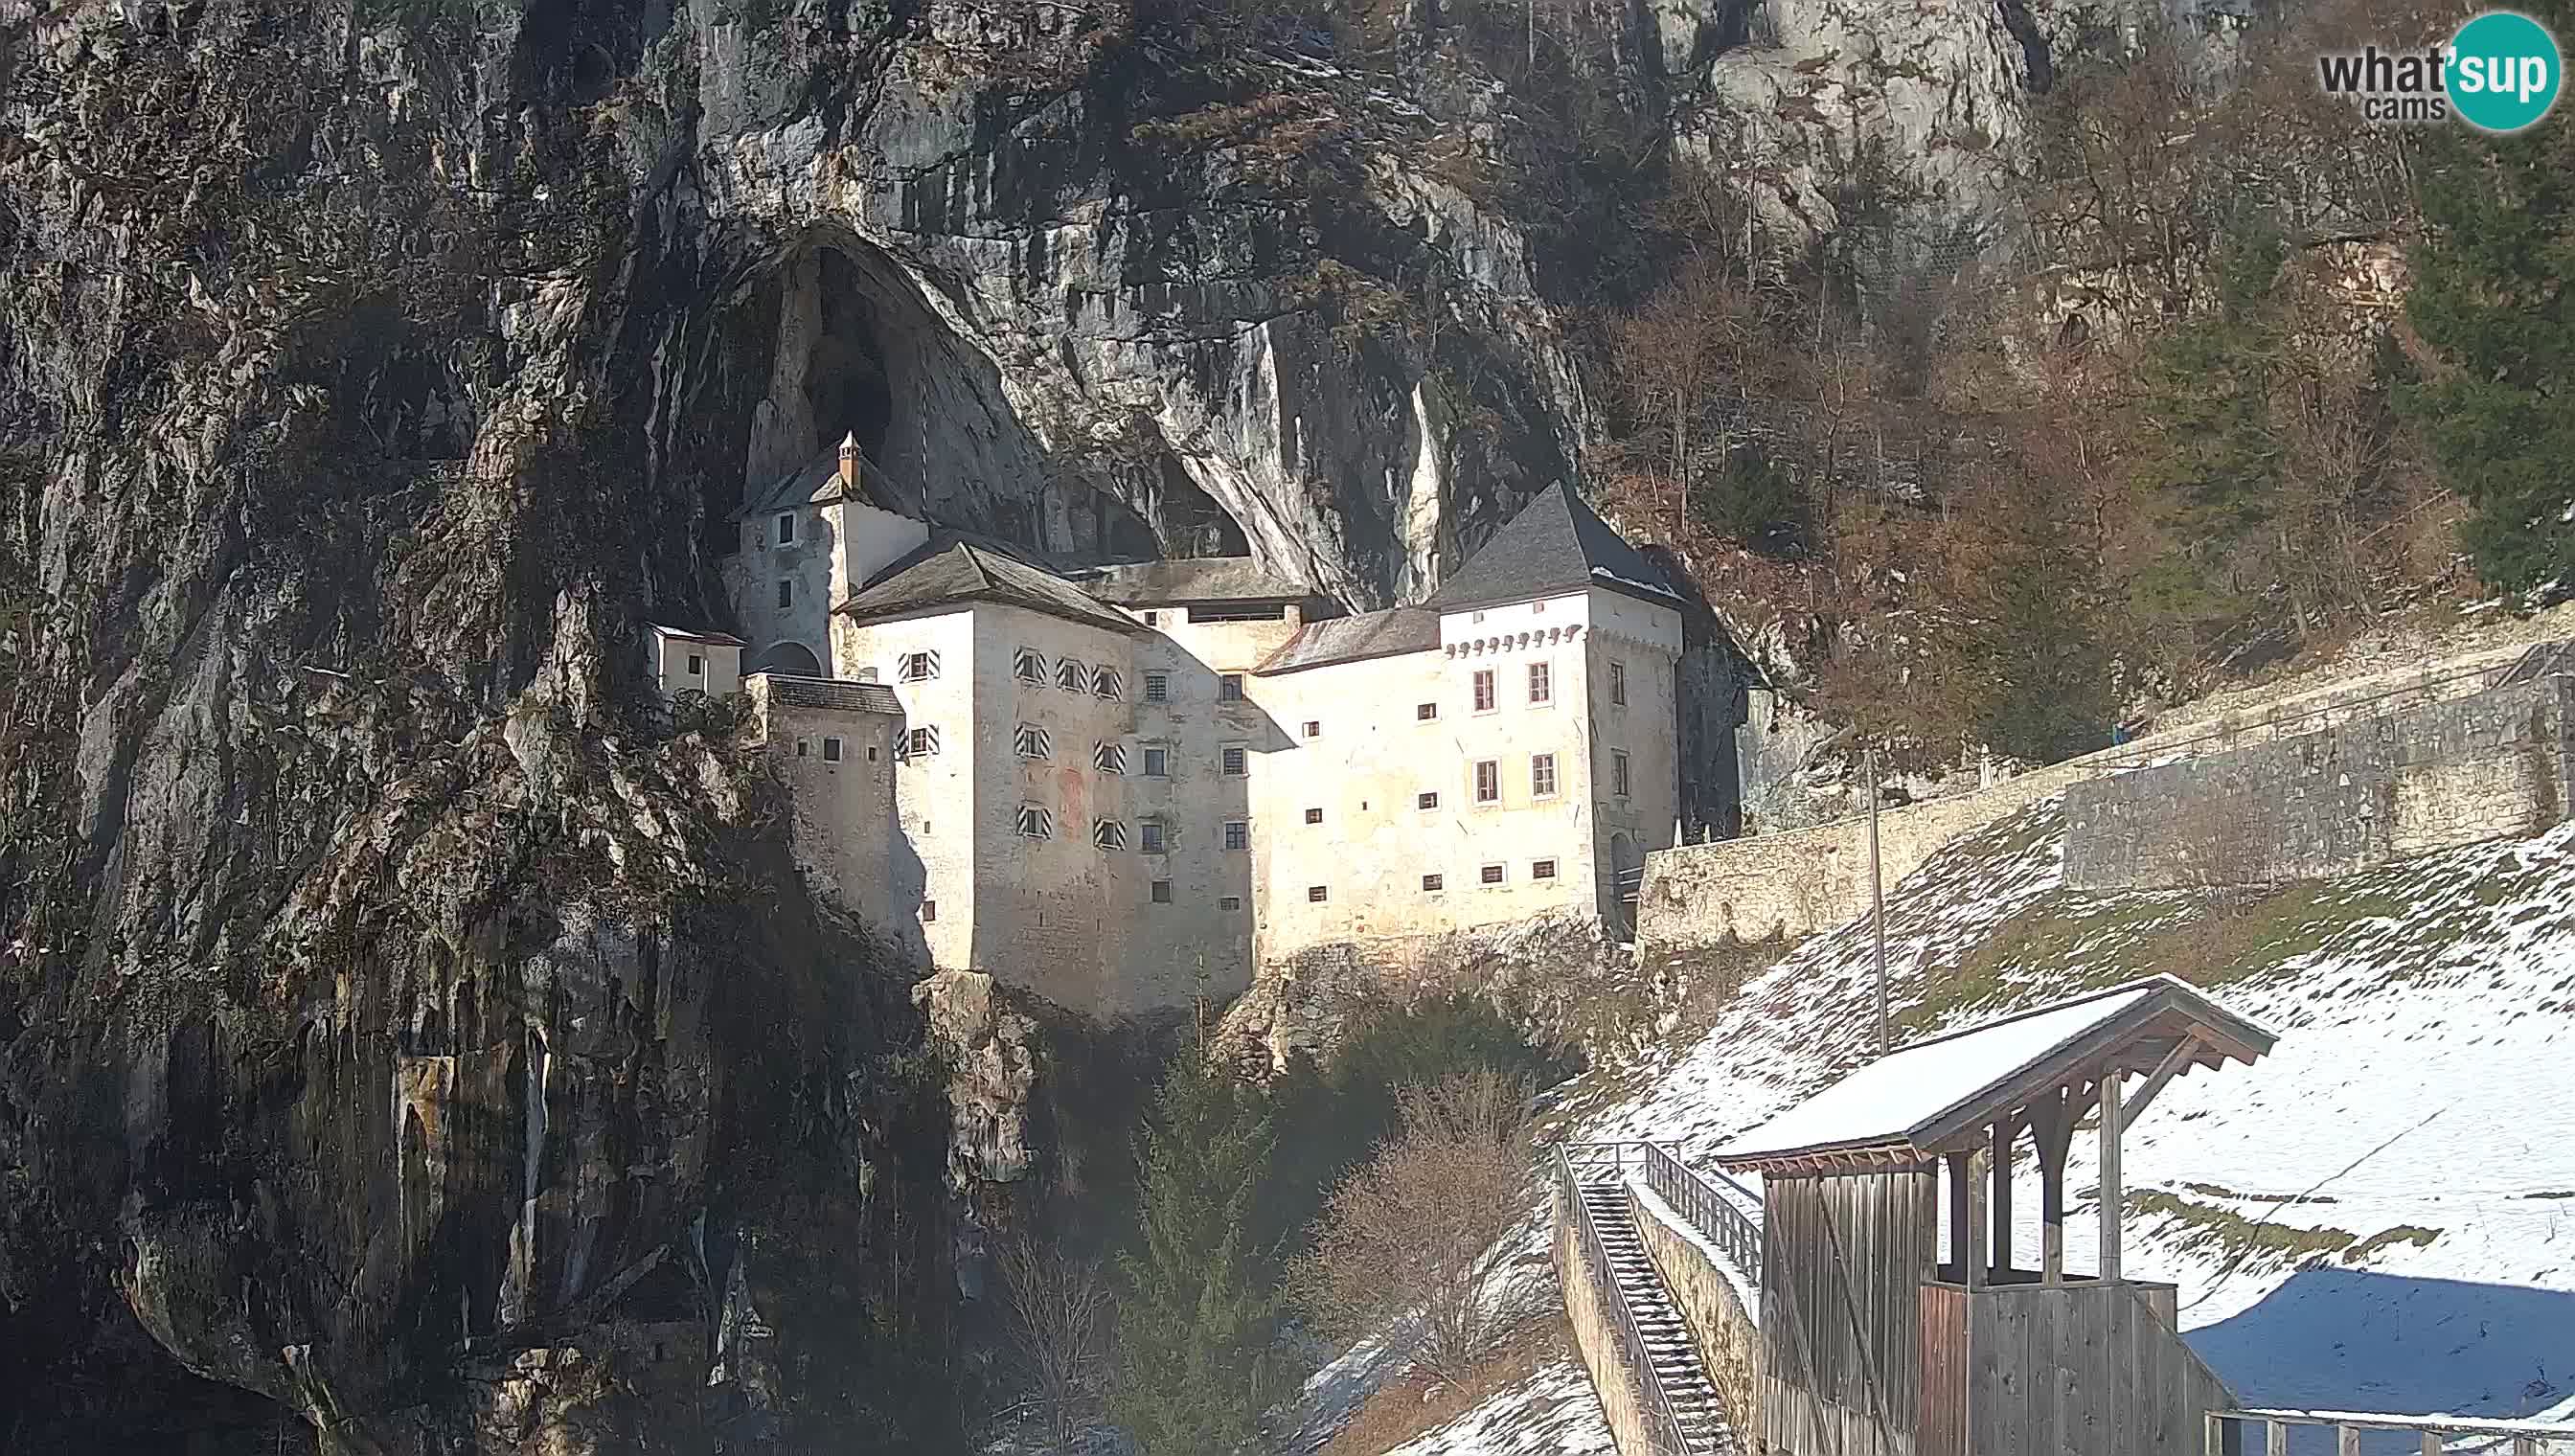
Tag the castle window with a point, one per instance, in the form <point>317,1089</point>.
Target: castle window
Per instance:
<point>872,753</point>
<point>1426,799</point>
<point>1235,762</point>
<point>697,665</point>
<point>1072,677</point>
<point>1488,781</point>
<point>1541,776</point>
<point>1431,883</point>
<point>1108,684</point>
<point>1028,665</point>
<point>1316,894</point>
<point>1618,684</point>
<point>1484,690</point>
<point>831,751</point>
<point>1542,685</point>
<point>1035,822</point>
<point>1158,762</point>
<point>1109,758</point>
<point>1425,711</point>
<point>917,668</point>
<point>1109,835</point>
<point>1537,608</point>
<point>786,593</point>
<point>929,911</point>
<point>1228,688</point>
<point>1618,772</point>
<point>1151,837</point>
<point>1153,618</point>
<point>1158,686</point>
<point>1314,817</point>
<point>804,747</point>
<point>1230,902</point>
<point>1490,875</point>
<point>1162,892</point>
<point>785,528</point>
<point>921,742</point>
<point>1313,730</point>
<point>1032,742</point>
<point>1542,869</point>
<point>1238,834</point>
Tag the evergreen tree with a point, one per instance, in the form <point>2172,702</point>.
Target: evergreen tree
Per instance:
<point>1199,1299</point>
<point>2494,292</point>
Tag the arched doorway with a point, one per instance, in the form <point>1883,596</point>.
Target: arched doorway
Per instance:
<point>790,659</point>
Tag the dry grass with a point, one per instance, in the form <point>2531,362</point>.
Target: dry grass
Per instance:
<point>1414,1403</point>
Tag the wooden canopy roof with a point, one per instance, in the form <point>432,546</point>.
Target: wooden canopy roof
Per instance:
<point>1941,1095</point>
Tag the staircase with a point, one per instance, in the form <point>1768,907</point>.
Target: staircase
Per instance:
<point>1675,1372</point>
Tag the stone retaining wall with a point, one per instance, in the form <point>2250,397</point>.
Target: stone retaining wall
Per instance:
<point>1796,884</point>
<point>2494,766</point>
<point>1596,1334</point>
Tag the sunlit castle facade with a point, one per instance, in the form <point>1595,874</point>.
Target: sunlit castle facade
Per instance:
<point>1124,786</point>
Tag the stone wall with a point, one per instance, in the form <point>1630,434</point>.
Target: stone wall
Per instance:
<point>2489,767</point>
<point>1799,882</point>
<point>1721,1328</point>
<point>1595,1333</point>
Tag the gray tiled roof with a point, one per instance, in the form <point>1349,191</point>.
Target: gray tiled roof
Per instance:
<point>1356,639</point>
<point>954,571</point>
<point>817,482</point>
<point>1554,545</point>
<point>788,691</point>
<point>1190,578</point>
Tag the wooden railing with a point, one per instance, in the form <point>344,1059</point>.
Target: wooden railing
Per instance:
<point>2347,1425</point>
<point>1664,1431</point>
<point>1713,1203</point>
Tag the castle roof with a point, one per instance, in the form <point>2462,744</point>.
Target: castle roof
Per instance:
<point>1182,581</point>
<point>1553,544</point>
<point>817,482</point>
<point>1355,639</point>
<point>949,570</point>
<point>663,623</point>
<point>838,694</point>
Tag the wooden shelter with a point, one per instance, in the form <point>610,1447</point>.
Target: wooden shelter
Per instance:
<point>1872,1346</point>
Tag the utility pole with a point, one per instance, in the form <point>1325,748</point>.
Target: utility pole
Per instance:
<point>1876,893</point>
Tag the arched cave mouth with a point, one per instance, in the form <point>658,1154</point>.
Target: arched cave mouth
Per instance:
<point>831,337</point>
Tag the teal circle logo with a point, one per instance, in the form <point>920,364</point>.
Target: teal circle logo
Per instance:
<point>2502,71</point>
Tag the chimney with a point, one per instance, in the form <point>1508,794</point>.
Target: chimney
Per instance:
<point>849,460</point>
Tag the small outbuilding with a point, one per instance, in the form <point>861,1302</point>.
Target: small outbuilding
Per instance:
<point>1871,1343</point>
<point>685,659</point>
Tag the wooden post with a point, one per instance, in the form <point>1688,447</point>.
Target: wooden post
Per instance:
<point>2346,1441</point>
<point>2110,1194</point>
<point>2215,1442</point>
<point>2275,1438</point>
<point>1973,1165</point>
<point>2049,1123</point>
<point>2002,1202</point>
<point>2431,1443</point>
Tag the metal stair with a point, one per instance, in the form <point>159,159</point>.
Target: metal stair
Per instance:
<point>1667,1344</point>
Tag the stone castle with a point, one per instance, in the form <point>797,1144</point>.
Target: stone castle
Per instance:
<point>1127,785</point>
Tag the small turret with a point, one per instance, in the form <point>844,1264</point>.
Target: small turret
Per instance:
<point>849,460</point>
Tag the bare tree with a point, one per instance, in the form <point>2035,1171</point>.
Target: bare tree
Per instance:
<point>1059,1313</point>
<point>1416,1231</point>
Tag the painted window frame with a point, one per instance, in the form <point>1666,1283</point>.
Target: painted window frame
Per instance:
<point>1032,742</point>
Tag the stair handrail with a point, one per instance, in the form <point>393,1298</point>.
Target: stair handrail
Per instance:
<point>1667,1434</point>
<point>1695,1196</point>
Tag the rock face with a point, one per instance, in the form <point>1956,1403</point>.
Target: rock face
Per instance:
<point>406,1037</point>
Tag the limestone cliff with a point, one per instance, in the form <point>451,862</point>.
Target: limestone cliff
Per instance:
<point>403,1034</point>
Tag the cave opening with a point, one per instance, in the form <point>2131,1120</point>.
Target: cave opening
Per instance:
<point>847,384</point>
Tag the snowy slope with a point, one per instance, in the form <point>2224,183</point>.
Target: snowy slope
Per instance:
<point>2422,1098</point>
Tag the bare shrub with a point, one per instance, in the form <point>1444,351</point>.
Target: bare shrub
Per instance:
<point>1414,1234</point>
<point>1060,1313</point>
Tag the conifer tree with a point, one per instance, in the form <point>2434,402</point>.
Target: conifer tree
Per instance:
<point>2494,292</point>
<point>1198,1299</point>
